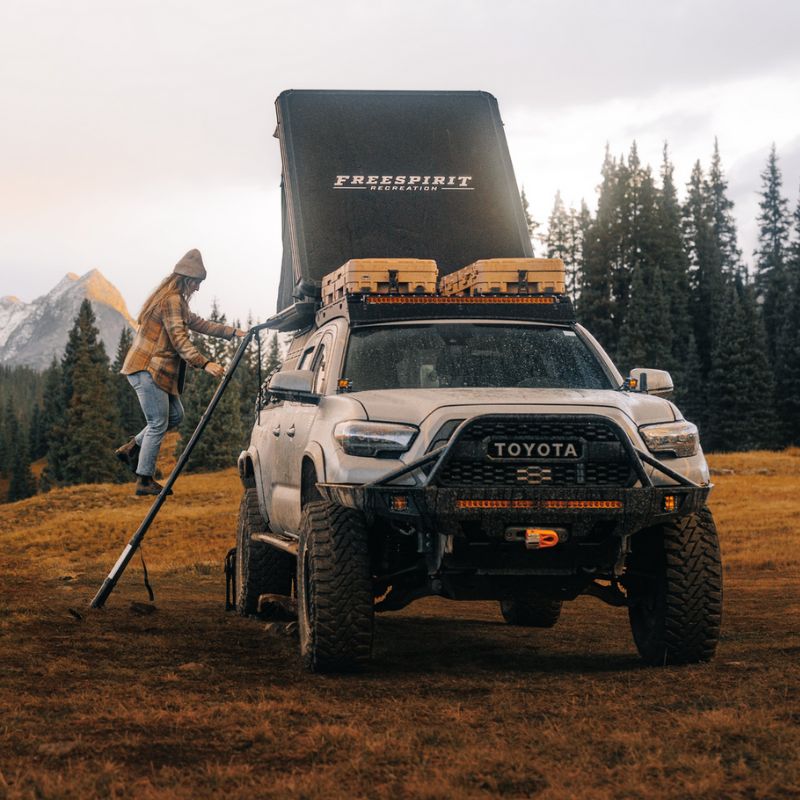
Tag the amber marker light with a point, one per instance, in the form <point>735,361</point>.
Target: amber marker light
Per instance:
<point>399,502</point>
<point>538,538</point>
<point>670,502</point>
<point>576,504</point>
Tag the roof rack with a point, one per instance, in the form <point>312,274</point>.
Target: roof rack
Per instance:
<point>361,308</point>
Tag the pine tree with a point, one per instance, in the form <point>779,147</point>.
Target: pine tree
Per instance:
<point>558,240</point>
<point>37,444</point>
<point>82,448</point>
<point>723,224</point>
<point>674,266</point>
<point>741,388</point>
<point>646,337</point>
<point>787,362</point>
<point>596,305</point>
<point>3,447</point>
<point>690,392</point>
<point>130,412</point>
<point>530,223</point>
<point>793,259</point>
<point>787,372</point>
<point>579,222</point>
<point>10,436</point>
<point>54,412</point>
<point>773,250</point>
<point>706,280</point>
<point>247,377</point>
<point>22,482</point>
<point>222,440</point>
<point>639,242</point>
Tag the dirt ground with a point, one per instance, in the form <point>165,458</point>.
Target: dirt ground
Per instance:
<point>190,701</point>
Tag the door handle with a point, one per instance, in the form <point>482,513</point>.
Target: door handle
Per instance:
<point>276,431</point>
<point>290,432</point>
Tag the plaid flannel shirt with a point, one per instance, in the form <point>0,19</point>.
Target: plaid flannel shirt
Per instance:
<point>162,345</point>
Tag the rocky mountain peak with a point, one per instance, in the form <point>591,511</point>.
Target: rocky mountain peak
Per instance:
<point>32,333</point>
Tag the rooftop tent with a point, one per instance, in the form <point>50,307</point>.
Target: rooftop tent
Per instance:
<point>393,175</point>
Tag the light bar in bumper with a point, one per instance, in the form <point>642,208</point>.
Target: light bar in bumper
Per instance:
<point>632,508</point>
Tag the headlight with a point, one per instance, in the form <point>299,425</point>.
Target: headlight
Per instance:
<point>375,439</point>
<point>680,438</point>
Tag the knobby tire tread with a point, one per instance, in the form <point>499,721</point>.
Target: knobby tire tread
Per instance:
<point>340,603</point>
<point>263,569</point>
<point>689,611</point>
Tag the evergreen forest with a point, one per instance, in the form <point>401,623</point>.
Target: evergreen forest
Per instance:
<point>661,282</point>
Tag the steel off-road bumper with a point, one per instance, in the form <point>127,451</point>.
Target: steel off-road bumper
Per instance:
<point>414,493</point>
<point>473,540</point>
<point>444,510</point>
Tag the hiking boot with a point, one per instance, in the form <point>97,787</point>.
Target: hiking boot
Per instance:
<point>146,485</point>
<point>129,454</point>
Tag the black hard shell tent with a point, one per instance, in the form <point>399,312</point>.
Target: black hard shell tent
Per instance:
<point>393,175</point>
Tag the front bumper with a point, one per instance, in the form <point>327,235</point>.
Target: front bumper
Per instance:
<point>444,510</point>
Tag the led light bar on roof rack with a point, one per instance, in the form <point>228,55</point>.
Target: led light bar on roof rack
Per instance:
<point>438,299</point>
<point>368,309</point>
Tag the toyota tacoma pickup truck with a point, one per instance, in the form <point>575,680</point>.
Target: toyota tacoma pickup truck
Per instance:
<point>469,444</point>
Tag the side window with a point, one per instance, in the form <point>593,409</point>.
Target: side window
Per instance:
<point>321,366</point>
<point>305,359</point>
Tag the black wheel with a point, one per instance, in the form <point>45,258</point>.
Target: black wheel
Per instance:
<point>260,569</point>
<point>531,612</point>
<point>674,580</point>
<point>334,589</point>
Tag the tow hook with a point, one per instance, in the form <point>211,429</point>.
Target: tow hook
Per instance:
<point>536,538</point>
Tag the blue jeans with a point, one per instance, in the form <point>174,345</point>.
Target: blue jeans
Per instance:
<point>161,410</point>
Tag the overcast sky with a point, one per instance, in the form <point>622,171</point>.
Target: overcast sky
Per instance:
<point>132,131</point>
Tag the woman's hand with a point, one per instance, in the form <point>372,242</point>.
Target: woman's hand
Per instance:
<point>214,369</point>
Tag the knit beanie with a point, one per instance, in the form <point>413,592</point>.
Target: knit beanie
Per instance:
<point>191,265</point>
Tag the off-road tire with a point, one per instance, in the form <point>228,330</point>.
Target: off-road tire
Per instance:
<point>260,569</point>
<point>334,589</point>
<point>676,591</point>
<point>531,612</point>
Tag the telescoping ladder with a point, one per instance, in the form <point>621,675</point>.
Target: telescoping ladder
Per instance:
<point>130,549</point>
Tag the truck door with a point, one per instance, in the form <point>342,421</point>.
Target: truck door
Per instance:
<point>272,423</point>
<point>290,435</point>
<point>303,419</point>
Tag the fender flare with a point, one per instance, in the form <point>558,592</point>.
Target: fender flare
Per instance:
<point>248,464</point>
<point>315,454</point>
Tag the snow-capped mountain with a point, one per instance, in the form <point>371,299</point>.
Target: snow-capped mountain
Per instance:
<point>32,333</point>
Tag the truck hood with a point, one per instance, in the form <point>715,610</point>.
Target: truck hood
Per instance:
<point>416,405</point>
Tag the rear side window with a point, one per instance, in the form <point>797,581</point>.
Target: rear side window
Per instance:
<point>305,359</point>
<point>443,355</point>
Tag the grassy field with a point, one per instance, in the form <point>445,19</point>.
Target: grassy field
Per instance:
<point>189,701</point>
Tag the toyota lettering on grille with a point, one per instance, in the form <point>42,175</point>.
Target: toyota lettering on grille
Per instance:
<point>515,450</point>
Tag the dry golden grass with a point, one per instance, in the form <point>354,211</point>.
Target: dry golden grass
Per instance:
<point>192,702</point>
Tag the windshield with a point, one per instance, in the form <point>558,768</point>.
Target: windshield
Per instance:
<point>439,355</point>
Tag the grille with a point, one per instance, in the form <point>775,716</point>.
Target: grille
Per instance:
<point>604,462</point>
<point>541,428</point>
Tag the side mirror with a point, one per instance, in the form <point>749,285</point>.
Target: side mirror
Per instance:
<point>650,381</point>
<point>295,385</point>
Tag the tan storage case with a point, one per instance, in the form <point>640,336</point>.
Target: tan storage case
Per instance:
<point>506,276</point>
<point>380,276</point>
